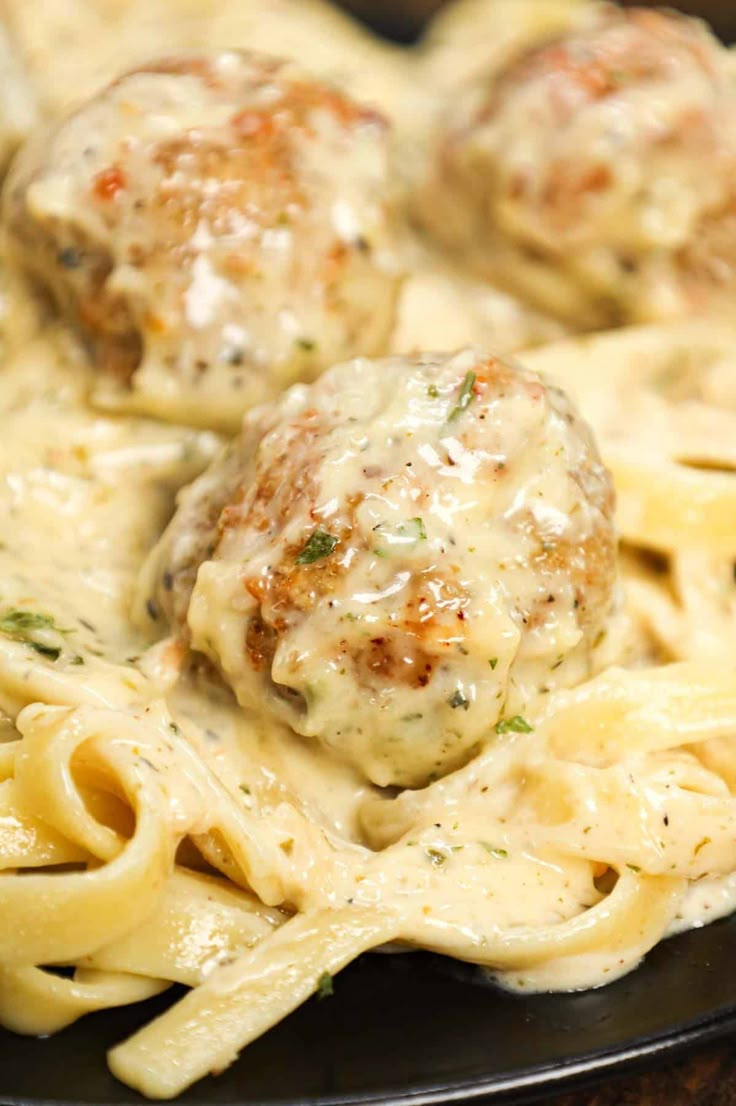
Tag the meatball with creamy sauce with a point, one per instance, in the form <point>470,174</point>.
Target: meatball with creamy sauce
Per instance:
<point>217,227</point>
<point>595,174</point>
<point>397,557</point>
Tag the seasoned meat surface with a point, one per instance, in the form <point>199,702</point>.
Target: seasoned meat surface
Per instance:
<point>397,558</point>
<point>596,172</point>
<point>217,227</point>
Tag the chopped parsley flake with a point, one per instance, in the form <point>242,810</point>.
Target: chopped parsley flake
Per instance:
<point>319,545</point>
<point>324,986</point>
<point>307,344</point>
<point>15,621</point>
<point>402,536</point>
<point>436,857</point>
<point>433,391</point>
<point>500,854</point>
<point>21,625</point>
<point>53,652</point>
<point>634,867</point>
<point>493,662</point>
<point>457,699</point>
<point>421,528</point>
<point>515,724</point>
<point>465,397</point>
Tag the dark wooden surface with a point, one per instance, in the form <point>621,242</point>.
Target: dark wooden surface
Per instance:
<point>707,1078</point>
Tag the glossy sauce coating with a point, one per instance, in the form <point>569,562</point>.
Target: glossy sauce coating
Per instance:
<point>598,168</point>
<point>398,558</point>
<point>216,227</point>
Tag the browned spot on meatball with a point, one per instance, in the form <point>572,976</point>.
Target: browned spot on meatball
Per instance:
<point>631,46</point>
<point>260,644</point>
<point>275,489</point>
<point>291,588</point>
<point>400,659</point>
<point>108,183</point>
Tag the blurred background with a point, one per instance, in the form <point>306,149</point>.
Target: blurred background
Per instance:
<point>403,19</point>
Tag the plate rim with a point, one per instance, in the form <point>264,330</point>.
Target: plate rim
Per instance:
<point>510,1090</point>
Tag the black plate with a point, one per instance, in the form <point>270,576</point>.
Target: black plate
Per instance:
<point>416,1029</point>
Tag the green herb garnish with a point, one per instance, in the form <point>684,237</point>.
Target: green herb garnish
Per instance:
<point>324,986</point>
<point>515,724</point>
<point>433,391</point>
<point>465,398</point>
<point>458,699</point>
<point>320,545</point>
<point>307,344</point>
<point>13,622</point>
<point>53,652</point>
<point>493,662</point>
<point>21,625</point>
<point>500,854</point>
<point>436,857</point>
<point>403,535</point>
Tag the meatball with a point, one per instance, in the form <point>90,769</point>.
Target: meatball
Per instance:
<point>216,227</point>
<point>398,557</point>
<point>596,174</point>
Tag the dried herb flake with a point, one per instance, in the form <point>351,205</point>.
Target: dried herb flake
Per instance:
<point>515,724</point>
<point>319,545</point>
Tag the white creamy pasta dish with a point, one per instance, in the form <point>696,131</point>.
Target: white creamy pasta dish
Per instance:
<point>317,637</point>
